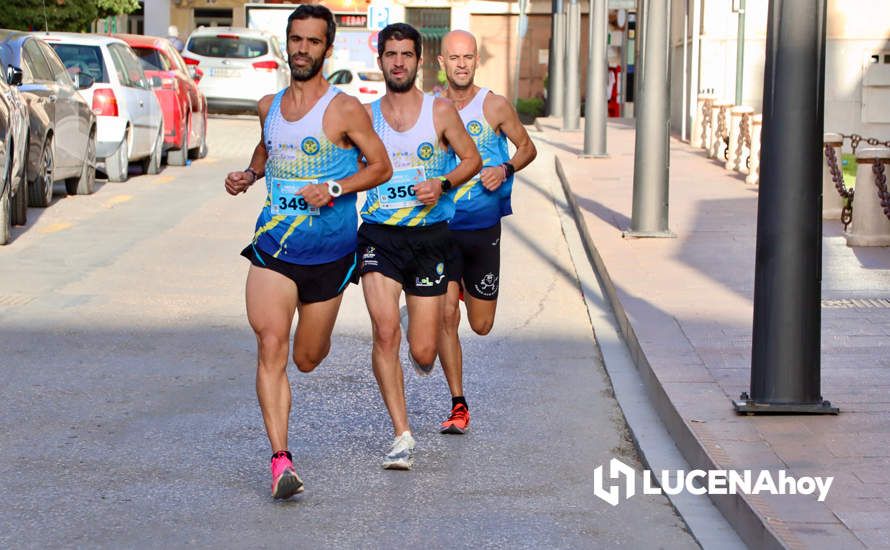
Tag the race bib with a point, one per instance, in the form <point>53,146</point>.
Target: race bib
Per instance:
<point>286,201</point>
<point>399,192</point>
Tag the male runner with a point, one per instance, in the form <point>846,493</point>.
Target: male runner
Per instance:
<point>303,250</point>
<point>479,206</point>
<point>404,240</point>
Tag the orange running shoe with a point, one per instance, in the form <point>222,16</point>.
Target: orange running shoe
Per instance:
<point>458,422</point>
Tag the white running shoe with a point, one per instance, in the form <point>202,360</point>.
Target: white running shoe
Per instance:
<point>421,370</point>
<point>401,454</point>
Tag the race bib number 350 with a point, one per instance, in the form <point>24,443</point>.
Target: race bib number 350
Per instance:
<point>287,202</point>
<point>399,192</point>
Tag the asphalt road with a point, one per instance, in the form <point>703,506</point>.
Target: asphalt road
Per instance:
<point>130,419</point>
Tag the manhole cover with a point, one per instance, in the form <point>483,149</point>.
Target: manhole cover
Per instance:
<point>850,303</point>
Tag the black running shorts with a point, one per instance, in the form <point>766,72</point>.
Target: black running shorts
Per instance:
<point>416,257</point>
<point>315,283</point>
<point>477,261</point>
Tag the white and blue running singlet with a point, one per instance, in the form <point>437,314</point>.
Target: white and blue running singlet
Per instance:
<point>475,206</point>
<point>299,153</point>
<point>416,155</point>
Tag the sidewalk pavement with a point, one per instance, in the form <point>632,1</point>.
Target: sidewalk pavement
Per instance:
<point>685,307</point>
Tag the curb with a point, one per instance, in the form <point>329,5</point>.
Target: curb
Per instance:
<point>752,527</point>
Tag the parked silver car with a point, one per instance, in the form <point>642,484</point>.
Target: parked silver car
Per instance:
<point>130,124</point>
<point>13,153</point>
<point>240,65</point>
<point>62,127</point>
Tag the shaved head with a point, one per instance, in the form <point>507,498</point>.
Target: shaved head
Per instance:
<point>458,41</point>
<point>459,59</point>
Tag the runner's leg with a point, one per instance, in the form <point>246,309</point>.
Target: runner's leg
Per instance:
<point>450,353</point>
<point>424,326</point>
<point>480,314</point>
<point>382,298</point>
<point>312,339</point>
<point>271,302</point>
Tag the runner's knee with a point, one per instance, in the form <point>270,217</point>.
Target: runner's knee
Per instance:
<point>481,326</point>
<point>387,335</point>
<point>306,361</point>
<point>272,350</point>
<point>451,316</point>
<point>424,353</point>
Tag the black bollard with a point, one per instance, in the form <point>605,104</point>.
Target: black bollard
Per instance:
<point>785,367</point>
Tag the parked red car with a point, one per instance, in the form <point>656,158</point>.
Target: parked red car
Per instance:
<point>184,106</point>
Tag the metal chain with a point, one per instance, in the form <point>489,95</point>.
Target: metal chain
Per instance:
<point>706,120</point>
<point>881,183</point>
<point>744,138</point>
<point>855,139</point>
<point>837,176</point>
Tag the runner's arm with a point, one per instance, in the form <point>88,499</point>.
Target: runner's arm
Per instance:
<point>508,123</point>
<point>361,133</point>
<point>456,135</point>
<point>240,181</point>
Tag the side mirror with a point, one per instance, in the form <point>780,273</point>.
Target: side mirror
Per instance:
<point>195,73</point>
<point>13,76</point>
<point>156,82</point>
<point>83,81</point>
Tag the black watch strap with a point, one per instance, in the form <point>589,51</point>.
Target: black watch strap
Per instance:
<point>509,168</point>
<point>250,170</point>
<point>446,184</point>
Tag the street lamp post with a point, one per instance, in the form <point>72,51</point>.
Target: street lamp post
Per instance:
<point>785,368</point>
<point>649,216</point>
<point>572,115</point>
<point>595,108</point>
<point>556,77</point>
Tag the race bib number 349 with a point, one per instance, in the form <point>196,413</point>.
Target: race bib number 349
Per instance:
<point>287,202</point>
<point>399,192</point>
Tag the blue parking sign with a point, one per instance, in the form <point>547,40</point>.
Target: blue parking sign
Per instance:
<point>378,17</point>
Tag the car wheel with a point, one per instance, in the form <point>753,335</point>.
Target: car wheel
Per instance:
<point>118,164</point>
<point>5,216</point>
<point>20,202</point>
<point>202,150</point>
<point>85,183</point>
<point>179,156</point>
<point>41,194</point>
<point>152,164</point>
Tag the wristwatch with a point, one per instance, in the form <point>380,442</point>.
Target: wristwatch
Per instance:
<point>334,188</point>
<point>508,168</point>
<point>250,170</point>
<point>446,185</point>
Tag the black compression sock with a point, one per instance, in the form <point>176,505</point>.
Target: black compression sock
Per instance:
<point>459,399</point>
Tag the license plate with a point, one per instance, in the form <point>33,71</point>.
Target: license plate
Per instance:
<point>222,72</point>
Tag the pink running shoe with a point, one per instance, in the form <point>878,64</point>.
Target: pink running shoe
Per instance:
<point>285,481</point>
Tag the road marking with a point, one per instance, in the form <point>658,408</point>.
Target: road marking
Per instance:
<point>163,180</point>
<point>118,199</point>
<point>55,227</point>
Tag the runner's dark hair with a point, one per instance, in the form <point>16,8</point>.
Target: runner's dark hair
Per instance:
<point>314,11</point>
<point>399,31</point>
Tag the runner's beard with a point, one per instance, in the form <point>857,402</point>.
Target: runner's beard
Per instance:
<point>400,87</point>
<point>306,73</point>
<point>460,87</point>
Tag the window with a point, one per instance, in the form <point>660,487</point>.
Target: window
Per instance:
<point>82,59</point>
<point>60,74</point>
<point>38,67</point>
<point>151,59</point>
<point>228,45</point>
<point>370,76</point>
<point>129,71</point>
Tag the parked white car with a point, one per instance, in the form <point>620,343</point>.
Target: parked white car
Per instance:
<point>129,121</point>
<point>364,83</point>
<point>240,65</point>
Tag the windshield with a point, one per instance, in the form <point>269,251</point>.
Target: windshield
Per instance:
<point>229,45</point>
<point>82,59</point>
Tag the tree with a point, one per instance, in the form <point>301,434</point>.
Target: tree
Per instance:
<point>61,15</point>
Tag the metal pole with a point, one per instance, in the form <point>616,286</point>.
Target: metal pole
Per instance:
<point>521,27</point>
<point>740,55</point>
<point>572,115</point>
<point>557,68</point>
<point>595,108</point>
<point>696,61</point>
<point>651,156</point>
<point>785,369</point>
<point>683,104</point>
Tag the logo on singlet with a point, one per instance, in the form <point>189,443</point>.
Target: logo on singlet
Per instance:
<point>425,151</point>
<point>474,127</point>
<point>310,146</point>
<point>440,268</point>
